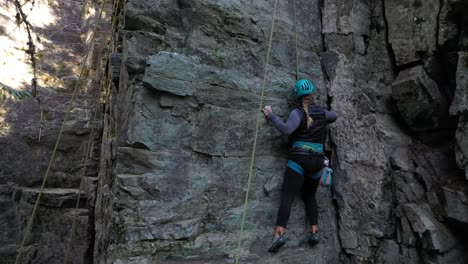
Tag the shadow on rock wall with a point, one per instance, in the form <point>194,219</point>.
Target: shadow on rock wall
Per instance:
<point>27,143</point>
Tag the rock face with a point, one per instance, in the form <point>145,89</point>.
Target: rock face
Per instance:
<point>184,144</point>
<point>178,136</point>
<point>179,121</point>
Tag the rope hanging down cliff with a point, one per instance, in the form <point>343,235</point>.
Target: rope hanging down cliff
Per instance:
<point>265,77</point>
<point>295,41</point>
<point>104,82</point>
<point>57,143</point>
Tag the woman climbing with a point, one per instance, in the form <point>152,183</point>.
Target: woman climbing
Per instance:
<point>306,125</point>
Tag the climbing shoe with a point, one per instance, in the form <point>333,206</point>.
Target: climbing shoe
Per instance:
<point>313,238</point>
<point>277,243</point>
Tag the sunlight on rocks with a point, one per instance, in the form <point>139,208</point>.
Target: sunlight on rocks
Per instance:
<point>4,127</point>
<point>45,17</point>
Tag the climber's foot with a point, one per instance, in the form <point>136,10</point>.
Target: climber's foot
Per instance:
<point>277,244</point>
<point>313,238</point>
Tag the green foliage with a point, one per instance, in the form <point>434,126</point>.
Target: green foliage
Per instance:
<point>7,92</point>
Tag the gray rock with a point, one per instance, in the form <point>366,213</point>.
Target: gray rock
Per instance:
<point>338,43</point>
<point>173,73</point>
<point>60,198</point>
<point>390,133</point>
<point>136,20</point>
<point>433,199</point>
<point>10,228</point>
<point>188,229</point>
<point>139,45</point>
<point>407,187</point>
<point>460,100</point>
<point>448,31</point>
<point>434,167</point>
<point>419,101</point>
<point>363,186</point>
<point>464,37</point>
<point>391,253</point>
<point>116,65</point>
<point>54,218</point>
<point>329,61</point>
<point>135,260</point>
<point>69,82</point>
<point>417,17</point>
<point>25,163</point>
<point>461,148</point>
<point>401,160</point>
<point>346,17</point>
<point>434,235</point>
<point>405,234</point>
<point>457,255</point>
<point>455,204</point>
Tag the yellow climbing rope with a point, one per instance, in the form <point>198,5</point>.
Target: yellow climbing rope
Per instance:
<point>91,136</point>
<point>85,164</point>
<point>252,159</point>
<point>295,41</point>
<point>57,143</point>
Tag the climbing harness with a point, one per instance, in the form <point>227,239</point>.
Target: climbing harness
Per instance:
<point>57,143</point>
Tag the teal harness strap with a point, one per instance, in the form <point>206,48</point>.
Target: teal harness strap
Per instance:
<point>317,147</point>
<point>296,167</point>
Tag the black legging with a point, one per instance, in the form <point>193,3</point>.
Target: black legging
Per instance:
<point>294,182</point>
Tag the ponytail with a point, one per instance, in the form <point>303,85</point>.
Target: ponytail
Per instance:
<point>306,102</point>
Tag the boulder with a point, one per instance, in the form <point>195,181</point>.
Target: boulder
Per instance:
<point>419,100</point>
<point>455,204</point>
<point>434,235</point>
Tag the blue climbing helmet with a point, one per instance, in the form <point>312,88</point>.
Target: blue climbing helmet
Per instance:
<point>303,87</point>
